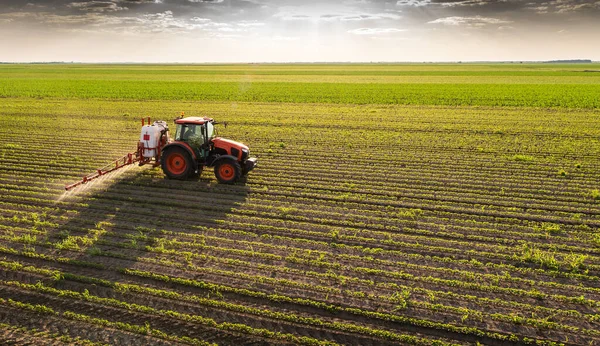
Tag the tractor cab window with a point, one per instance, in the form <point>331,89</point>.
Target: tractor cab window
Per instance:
<point>190,133</point>
<point>210,130</point>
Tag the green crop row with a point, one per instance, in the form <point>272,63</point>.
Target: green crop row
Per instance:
<point>161,243</point>
<point>216,288</point>
<point>515,95</point>
<point>231,327</point>
<point>204,301</point>
<point>144,330</point>
<point>253,293</point>
<point>567,262</point>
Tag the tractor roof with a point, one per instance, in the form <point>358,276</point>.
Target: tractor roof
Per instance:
<point>194,120</point>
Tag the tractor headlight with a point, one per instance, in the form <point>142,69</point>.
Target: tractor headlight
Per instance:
<point>245,154</point>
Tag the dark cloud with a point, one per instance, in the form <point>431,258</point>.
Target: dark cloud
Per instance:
<point>449,3</point>
<point>563,6</point>
<point>540,6</point>
<point>288,29</point>
<point>140,2</point>
<point>280,17</point>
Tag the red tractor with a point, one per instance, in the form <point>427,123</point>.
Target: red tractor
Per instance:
<point>195,146</point>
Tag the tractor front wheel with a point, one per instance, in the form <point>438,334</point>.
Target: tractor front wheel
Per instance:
<point>228,171</point>
<point>177,164</point>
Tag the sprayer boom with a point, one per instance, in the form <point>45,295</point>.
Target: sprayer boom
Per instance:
<point>120,163</point>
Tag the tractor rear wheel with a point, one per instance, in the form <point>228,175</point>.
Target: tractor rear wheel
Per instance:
<point>176,163</point>
<point>228,171</point>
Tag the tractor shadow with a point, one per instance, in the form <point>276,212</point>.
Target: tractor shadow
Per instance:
<point>140,219</point>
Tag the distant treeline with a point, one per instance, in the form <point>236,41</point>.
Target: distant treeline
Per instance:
<point>575,61</point>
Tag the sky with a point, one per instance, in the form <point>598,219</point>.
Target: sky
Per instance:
<point>219,31</point>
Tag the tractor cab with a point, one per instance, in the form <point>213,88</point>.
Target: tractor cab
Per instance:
<point>196,132</point>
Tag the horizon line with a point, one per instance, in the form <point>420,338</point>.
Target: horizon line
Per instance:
<point>565,61</point>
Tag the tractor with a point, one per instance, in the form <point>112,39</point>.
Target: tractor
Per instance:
<point>195,146</point>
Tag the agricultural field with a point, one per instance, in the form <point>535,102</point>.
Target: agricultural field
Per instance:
<point>419,204</point>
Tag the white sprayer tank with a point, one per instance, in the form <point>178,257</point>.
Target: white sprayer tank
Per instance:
<point>150,138</point>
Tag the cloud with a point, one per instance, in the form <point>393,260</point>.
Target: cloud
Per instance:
<point>166,22</point>
<point>454,3</point>
<point>291,16</point>
<point>32,5</point>
<point>356,2</point>
<point>105,21</point>
<point>200,20</point>
<point>207,1</point>
<point>447,3</point>
<point>374,31</point>
<point>541,7</point>
<point>97,6</point>
<point>355,17</point>
<point>562,6</point>
<point>343,14</point>
<point>376,16</point>
<point>250,23</point>
<point>476,21</point>
<point>416,3</point>
<point>93,19</point>
<point>139,2</point>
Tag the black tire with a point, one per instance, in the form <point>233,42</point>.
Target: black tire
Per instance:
<point>228,171</point>
<point>197,175</point>
<point>176,163</point>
